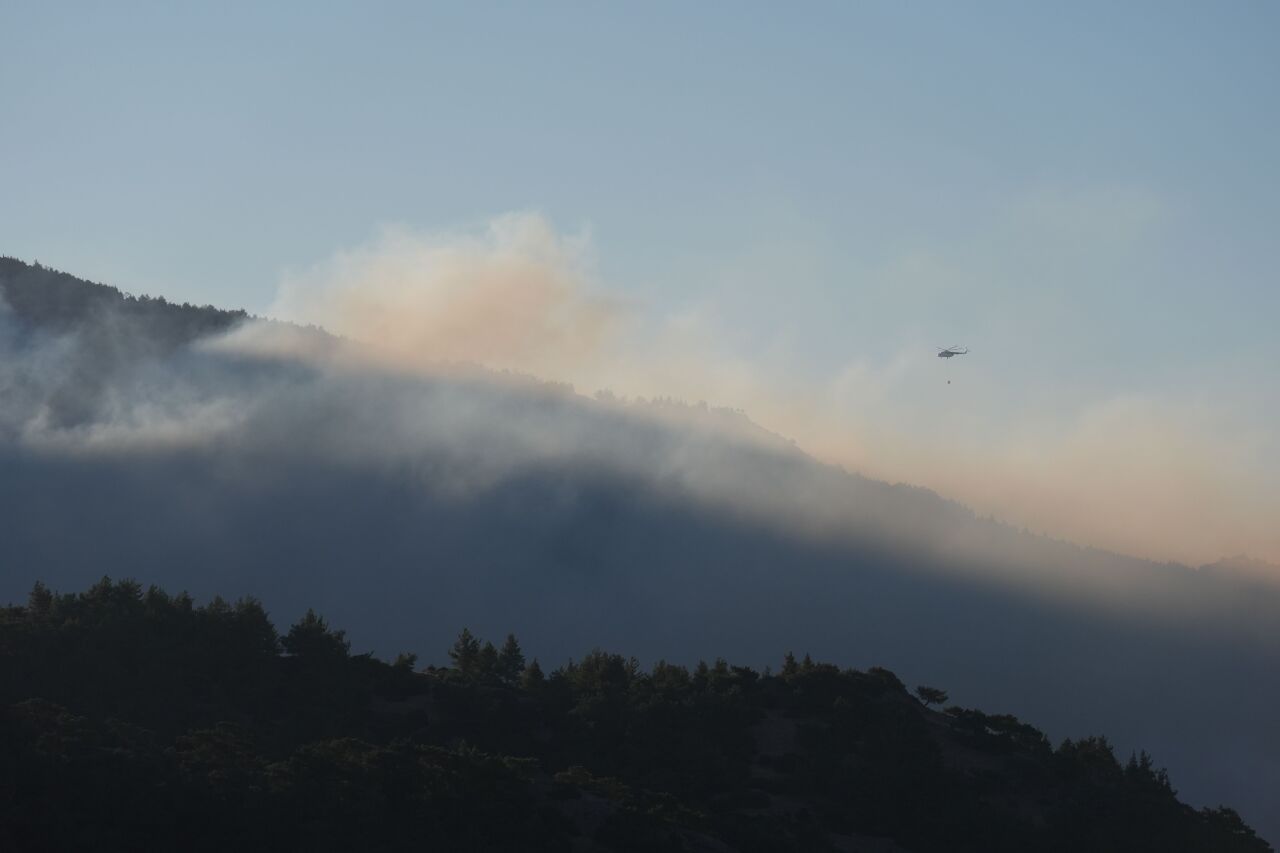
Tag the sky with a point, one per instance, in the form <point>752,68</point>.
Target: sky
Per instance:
<point>785,209</point>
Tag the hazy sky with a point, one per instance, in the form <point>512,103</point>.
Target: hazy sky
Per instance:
<point>793,202</point>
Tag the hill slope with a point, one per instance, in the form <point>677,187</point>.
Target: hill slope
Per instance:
<point>407,506</point>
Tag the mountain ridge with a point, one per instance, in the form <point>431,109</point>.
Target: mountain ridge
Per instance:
<point>76,301</point>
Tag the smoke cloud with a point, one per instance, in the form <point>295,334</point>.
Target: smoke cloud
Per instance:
<point>515,297</point>
<point>1141,474</point>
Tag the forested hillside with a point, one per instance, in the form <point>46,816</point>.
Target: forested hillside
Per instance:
<point>175,445</point>
<point>137,720</point>
<point>48,299</point>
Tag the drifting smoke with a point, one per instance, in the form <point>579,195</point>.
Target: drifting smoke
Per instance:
<point>1140,475</point>
<point>514,298</point>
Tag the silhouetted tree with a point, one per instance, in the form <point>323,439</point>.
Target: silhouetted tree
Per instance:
<point>40,601</point>
<point>465,653</point>
<point>1141,770</point>
<point>487,662</point>
<point>532,677</point>
<point>510,660</point>
<point>312,639</point>
<point>931,695</point>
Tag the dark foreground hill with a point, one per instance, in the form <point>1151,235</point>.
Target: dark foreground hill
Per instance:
<point>186,448</point>
<point>139,721</point>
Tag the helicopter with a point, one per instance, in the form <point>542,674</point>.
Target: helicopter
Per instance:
<point>952,352</point>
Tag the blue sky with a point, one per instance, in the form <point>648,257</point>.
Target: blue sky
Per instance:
<point>1086,195</point>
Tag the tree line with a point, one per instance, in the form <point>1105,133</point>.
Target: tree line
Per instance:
<point>134,719</point>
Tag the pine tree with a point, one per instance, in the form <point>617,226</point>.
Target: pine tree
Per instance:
<point>789,665</point>
<point>931,695</point>
<point>487,662</point>
<point>312,639</point>
<point>510,660</point>
<point>532,677</point>
<point>40,602</point>
<point>465,653</point>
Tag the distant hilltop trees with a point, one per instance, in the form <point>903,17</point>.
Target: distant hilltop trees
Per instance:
<point>57,301</point>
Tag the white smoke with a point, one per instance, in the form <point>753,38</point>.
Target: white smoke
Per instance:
<point>1142,474</point>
